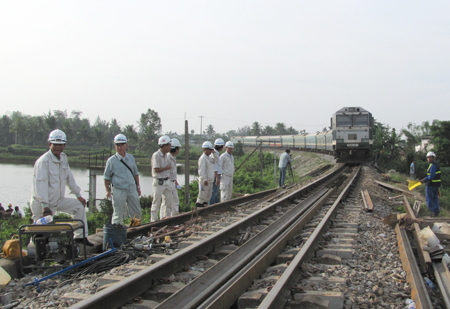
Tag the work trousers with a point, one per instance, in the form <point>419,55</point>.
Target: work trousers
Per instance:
<point>432,196</point>
<point>123,199</point>
<point>412,176</point>
<point>71,206</point>
<point>282,176</point>
<point>226,188</point>
<point>158,192</point>
<point>215,192</point>
<point>175,201</point>
<point>204,192</point>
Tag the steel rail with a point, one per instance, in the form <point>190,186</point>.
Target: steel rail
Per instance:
<point>118,294</point>
<point>229,293</point>
<point>424,256</point>
<point>182,218</point>
<point>196,292</point>
<point>442,275</point>
<point>419,293</point>
<point>279,294</point>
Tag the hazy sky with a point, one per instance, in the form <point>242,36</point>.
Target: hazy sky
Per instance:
<point>234,62</point>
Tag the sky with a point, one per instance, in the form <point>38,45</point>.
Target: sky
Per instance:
<point>232,62</point>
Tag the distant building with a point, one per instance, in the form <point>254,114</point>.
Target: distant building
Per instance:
<point>425,145</point>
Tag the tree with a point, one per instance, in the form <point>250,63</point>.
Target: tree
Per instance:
<point>210,131</point>
<point>50,121</point>
<point>268,130</point>
<point>100,130</point>
<point>280,129</point>
<point>149,128</point>
<point>114,128</point>
<point>292,131</point>
<point>131,134</point>
<point>440,130</point>
<point>18,126</point>
<point>256,129</point>
<point>244,131</point>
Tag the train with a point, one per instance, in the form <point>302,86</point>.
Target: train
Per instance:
<point>350,138</point>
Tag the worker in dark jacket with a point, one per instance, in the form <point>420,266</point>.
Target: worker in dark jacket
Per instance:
<point>433,181</point>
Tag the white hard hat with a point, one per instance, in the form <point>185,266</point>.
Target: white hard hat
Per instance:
<point>175,143</point>
<point>163,140</point>
<point>207,145</point>
<point>229,144</point>
<point>57,137</point>
<point>120,139</point>
<point>431,154</point>
<point>219,142</point>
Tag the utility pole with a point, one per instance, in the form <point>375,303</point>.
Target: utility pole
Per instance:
<point>274,168</point>
<point>187,199</point>
<point>201,120</point>
<point>261,158</point>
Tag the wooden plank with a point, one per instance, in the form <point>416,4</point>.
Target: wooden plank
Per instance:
<point>364,200</point>
<point>416,207</point>
<point>386,185</point>
<point>368,201</point>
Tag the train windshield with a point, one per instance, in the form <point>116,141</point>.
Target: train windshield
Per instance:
<point>361,120</point>
<point>352,120</point>
<point>344,120</point>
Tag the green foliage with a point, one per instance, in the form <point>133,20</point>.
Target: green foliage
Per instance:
<point>440,130</point>
<point>386,148</point>
<point>10,227</point>
<point>238,150</point>
<point>146,201</point>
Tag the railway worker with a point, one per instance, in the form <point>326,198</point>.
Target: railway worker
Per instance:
<point>205,175</point>
<point>412,170</point>
<point>161,184</point>
<point>218,146</point>
<point>174,186</point>
<point>121,179</point>
<point>50,177</point>
<point>285,158</point>
<point>227,164</point>
<point>433,181</point>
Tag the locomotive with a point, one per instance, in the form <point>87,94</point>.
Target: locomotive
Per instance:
<point>350,139</point>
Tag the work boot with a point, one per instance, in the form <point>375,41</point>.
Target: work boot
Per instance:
<point>199,205</point>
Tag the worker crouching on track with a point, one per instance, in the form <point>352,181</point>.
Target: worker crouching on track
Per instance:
<point>121,179</point>
<point>161,184</point>
<point>433,181</point>
<point>205,175</point>
<point>175,149</point>
<point>50,177</point>
<point>227,165</point>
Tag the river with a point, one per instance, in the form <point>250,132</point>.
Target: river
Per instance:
<point>16,180</point>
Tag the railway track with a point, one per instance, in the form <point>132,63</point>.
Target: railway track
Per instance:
<point>300,216</point>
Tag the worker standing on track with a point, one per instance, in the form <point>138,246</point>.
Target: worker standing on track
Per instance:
<point>433,181</point>
<point>50,177</point>
<point>285,158</point>
<point>227,163</point>
<point>174,186</point>
<point>161,185</point>
<point>205,175</point>
<point>218,146</point>
<point>121,179</point>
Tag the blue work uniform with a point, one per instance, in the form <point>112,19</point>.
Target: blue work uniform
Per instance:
<point>433,181</point>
